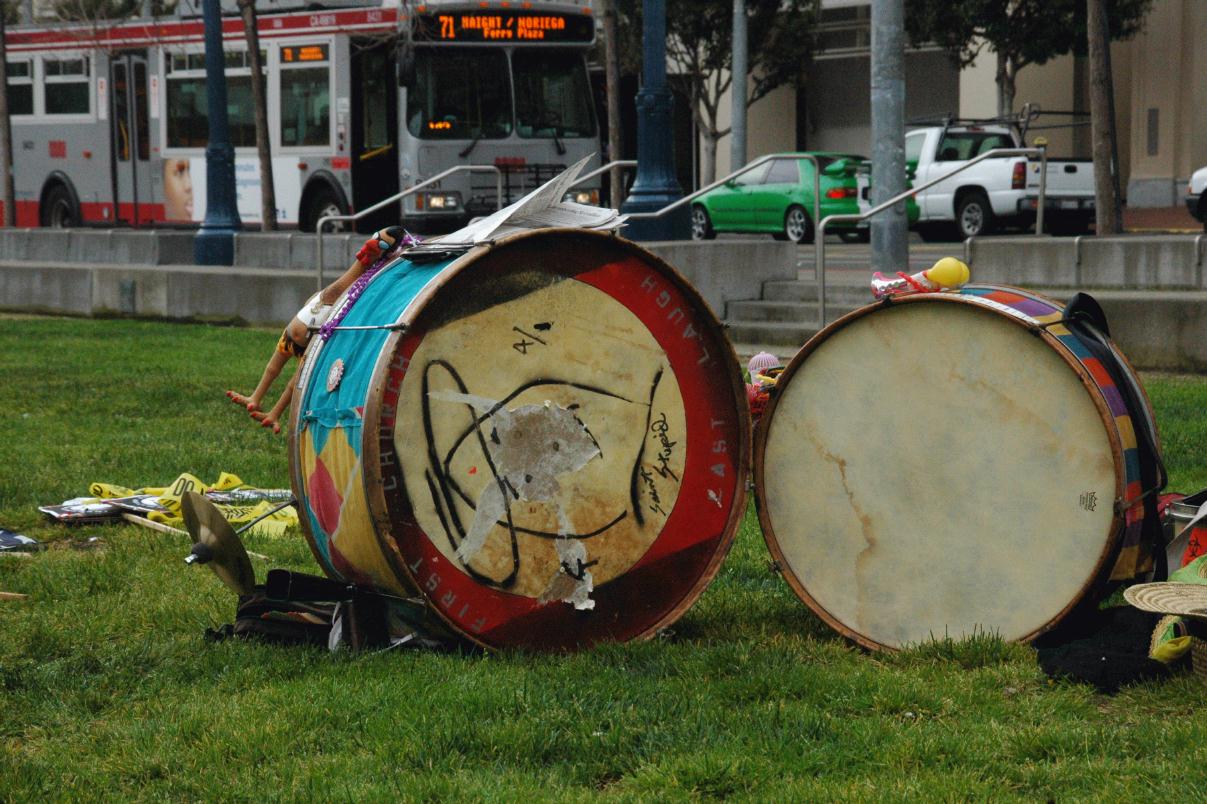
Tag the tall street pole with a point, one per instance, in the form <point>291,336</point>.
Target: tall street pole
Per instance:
<point>612,78</point>
<point>215,242</point>
<point>655,185</point>
<point>890,243</point>
<point>741,60</point>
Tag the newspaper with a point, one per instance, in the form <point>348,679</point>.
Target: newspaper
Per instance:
<point>540,209</point>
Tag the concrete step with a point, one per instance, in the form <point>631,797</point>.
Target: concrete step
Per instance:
<point>784,311</point>
<point>779,338</point>
<point>805,290</point>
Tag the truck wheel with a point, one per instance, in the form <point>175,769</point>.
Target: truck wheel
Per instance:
<point>58,210</point>
<point>974,216</point>
<point>797,226</point>
<point>701,224</point>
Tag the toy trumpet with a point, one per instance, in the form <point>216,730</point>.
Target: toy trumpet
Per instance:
<point>945,274</point>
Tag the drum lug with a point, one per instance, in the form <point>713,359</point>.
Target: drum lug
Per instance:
<point>775,567</point>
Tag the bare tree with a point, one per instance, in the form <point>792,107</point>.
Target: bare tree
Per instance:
<point>612,78</point>
<point>6,131</point>
<point>268,195</point>
<point>1102,132</point>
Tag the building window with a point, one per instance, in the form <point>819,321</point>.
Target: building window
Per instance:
<point>20,88</point>
<point>67,85</point>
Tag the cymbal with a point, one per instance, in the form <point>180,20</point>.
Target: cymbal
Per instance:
<point>216,544</point>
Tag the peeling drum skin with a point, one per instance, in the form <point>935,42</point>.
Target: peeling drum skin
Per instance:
<point>530,447</point>
<point>865,523</point>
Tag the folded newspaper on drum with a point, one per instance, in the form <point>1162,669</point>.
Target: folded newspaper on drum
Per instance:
<point>543,208</point>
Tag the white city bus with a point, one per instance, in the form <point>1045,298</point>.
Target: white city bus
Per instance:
<point>110,122</point>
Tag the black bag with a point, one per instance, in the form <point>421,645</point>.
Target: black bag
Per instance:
<point>277,622</point>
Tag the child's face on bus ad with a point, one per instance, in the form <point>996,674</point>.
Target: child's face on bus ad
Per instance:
<point>177,190</point>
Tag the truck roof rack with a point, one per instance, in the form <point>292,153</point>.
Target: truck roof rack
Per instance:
<point>1022,121</point>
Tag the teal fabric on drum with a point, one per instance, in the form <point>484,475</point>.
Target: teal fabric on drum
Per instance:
<point>323,413</point>
<point>382,302</point>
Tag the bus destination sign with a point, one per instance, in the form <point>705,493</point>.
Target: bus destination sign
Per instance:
<point>505,26</point>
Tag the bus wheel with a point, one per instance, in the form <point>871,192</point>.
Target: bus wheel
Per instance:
<point>58,209</point>
<point>324,202</point>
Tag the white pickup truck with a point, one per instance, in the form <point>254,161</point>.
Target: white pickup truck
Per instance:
<point>997,193</point>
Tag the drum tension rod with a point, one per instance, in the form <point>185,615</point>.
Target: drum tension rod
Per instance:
<point>391,327</point>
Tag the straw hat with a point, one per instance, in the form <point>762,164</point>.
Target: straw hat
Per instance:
<point>1187,600</point>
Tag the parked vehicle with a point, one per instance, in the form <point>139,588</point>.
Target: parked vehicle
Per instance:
<point>110,121</point>
<point>777,198</point>
<point>1196,196</point>
<point>864,179</point>
<point>996,193</point>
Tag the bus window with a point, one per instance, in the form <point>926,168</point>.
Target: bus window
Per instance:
<point>188,112</point>
<point>305,97</point>
<point>20,88</point>
<point>67,85</point>
<point>459,94</point>
<point>552,96</point>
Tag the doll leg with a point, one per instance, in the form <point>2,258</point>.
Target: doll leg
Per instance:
<point>271,371</point>
<point>272,417</point>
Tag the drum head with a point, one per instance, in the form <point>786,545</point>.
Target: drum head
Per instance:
<point>560,443</point>
<point>933,469</point>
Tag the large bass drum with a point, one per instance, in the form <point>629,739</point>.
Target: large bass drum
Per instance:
<point>545,437</point>
<point>946,464</point>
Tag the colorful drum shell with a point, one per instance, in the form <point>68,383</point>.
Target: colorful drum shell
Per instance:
<point>922,423</point>
<point>402,430</point>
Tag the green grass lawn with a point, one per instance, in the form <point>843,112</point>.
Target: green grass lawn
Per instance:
<point>109,691</point>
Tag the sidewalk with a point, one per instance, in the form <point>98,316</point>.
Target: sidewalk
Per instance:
<point>1160,219</point>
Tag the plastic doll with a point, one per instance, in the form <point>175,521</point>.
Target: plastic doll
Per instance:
<point>313,314</point>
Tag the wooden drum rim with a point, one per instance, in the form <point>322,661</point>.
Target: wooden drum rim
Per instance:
<point>375,479</point>
<point>1103,564</point>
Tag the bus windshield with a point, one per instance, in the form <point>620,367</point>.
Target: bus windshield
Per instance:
<point>460,94</point>
<point>552,96</point>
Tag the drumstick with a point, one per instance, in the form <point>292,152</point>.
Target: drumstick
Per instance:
<point>162,528</point>
<point>12,596</point>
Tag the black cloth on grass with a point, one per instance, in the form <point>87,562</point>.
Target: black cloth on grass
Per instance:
<point>1107,648</point>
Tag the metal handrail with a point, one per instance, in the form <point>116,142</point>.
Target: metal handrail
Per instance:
<point>687,199</point>
<point>322,222</point>
<point>620,163</point>
<point>819,269</point>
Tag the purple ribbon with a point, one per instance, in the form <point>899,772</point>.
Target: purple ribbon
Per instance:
<point>358,287</point>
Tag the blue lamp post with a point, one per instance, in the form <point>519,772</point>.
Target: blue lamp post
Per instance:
<point>655,185</point>
<point>215,242</point>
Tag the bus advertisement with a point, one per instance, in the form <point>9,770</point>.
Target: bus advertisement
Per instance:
<point>110,123</point>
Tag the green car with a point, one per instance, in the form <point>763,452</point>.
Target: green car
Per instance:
<point>777,198</point>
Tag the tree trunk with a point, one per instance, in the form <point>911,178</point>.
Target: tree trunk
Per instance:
<point>612,77</point>
<point>6,133</point>
<point>708,167</point>
<point>1005,86</point>
<point>1106,219</point>
<point>268,195</point>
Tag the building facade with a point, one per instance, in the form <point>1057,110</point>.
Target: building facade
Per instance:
<point>1160,97</point>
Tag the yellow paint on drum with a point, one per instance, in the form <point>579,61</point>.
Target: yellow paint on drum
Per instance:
<point>353,537</point>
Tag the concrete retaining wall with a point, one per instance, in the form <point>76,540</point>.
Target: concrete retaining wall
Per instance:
<point>729,270</point>
<point>273,277</point>
<point>1148,262</point>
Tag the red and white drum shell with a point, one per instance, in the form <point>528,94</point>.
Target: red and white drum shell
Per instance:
<point>550,444</point>
<point>948,464</point>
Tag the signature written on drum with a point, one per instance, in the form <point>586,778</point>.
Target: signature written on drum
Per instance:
<point>660,428</point>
